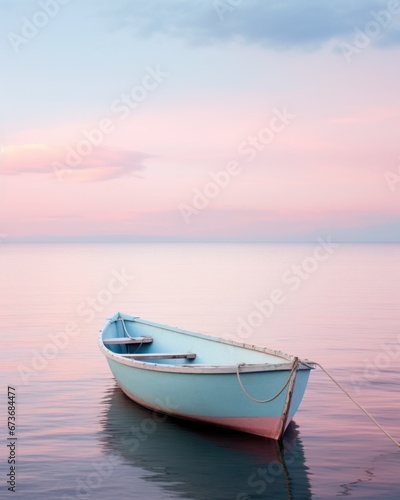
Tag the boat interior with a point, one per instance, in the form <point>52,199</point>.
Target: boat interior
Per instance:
<point>143,340</point>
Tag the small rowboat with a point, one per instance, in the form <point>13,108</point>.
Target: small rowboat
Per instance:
<point>203,378</point>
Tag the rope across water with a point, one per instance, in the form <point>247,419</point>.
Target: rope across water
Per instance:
<point>397,443</point>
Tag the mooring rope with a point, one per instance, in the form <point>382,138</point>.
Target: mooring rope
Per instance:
<point>397,443</point>
<point>124,327</point>
<point>292,371</point>
<point>127,334</point>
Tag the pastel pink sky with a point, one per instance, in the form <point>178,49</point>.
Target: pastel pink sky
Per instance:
<point>322,171</point>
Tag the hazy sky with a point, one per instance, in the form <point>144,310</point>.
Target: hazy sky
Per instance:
<point>268,120</point>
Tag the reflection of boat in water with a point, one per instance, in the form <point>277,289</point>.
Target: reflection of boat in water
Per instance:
<point>202,462</point>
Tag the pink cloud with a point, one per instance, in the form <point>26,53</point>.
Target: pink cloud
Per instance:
<point>70,164</point>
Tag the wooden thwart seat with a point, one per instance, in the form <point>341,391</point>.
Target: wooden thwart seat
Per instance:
<point>128,340</point>
<point>154,355</point>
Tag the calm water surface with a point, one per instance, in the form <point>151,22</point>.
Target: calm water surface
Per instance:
<point>79,437</point>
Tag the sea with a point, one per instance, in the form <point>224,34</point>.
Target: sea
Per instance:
<point>68,432</point>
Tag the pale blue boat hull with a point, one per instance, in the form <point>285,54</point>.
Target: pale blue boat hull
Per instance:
<point>207,389</point>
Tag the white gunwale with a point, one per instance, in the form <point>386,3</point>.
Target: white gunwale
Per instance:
<point>199,368</point>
